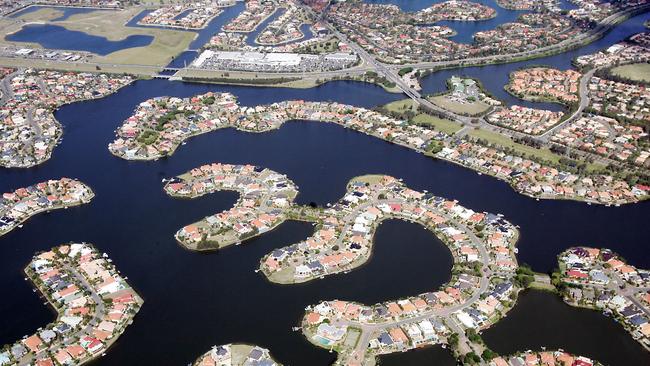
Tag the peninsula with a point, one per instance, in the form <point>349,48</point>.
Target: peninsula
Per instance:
<point>28,130</point>
<point>482,289</point>
<point>158,126</point>
<point>18,206</point>
<point>264,197</point>
<point>236,354</point>
<point>600,279</point>
<point>93,302</point>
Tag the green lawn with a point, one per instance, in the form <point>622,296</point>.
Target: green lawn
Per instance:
<point>543,153</point>
<point>639,72</point>
<point>471,109</point>
<point>328,46</point>
<point>444,125</point>
<point>110,24</point>
<point>401,106</point>
<point>505,141</point>
<point>368,178</point>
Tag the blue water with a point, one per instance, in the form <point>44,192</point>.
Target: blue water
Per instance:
<point>464,30</point>
<point>57,37</point>
<point>182,60</point>
<point>183,14</point>
<point>252,36</point>
<point>567,5</point>
<point>195,300</point>
<point>542,319</point>
<point>306,30</point>
<point>495,77</point>
<point>202,35</point>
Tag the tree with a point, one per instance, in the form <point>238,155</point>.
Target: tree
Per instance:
<point>471,359</point>
<point>473,336</point>
<point>488,355</point>
<point>453,339</point>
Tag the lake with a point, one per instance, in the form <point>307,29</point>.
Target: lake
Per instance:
<point>60,38</point>
<point>196,300</point>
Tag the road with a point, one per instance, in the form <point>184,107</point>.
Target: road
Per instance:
<point>7,93</point>
<point>587,37</point>
<point>390,73</point>
<point>622,288</point>
<point>97,316</point>
<point>583,94</point>
<point>368,330</point>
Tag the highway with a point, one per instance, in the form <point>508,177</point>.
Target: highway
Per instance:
<point>390,73</point>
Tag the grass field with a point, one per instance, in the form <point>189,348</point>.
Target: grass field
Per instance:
<point>444,125</point>
<point>543,153</point>
<point>639,72</point>
<point>143,71</point>
<point>111,25</point>
<point>400,106</point>
<point>471,109</point>
<point>368,178</point>
<point>42,15</point>
<point>330,45</point>
<point>502,140</point>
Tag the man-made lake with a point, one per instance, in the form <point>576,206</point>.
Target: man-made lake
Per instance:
<point>60,38</point>
<point>195,300</point>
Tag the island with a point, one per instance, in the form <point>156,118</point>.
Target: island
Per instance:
<point>485,283</point>
<point>18,206</point>
<point>236,354</point>
<point>393,36</point>
<point>264,198</point>
<point>253,15</point>
<point>606,117</point>
<point>93,302</point>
